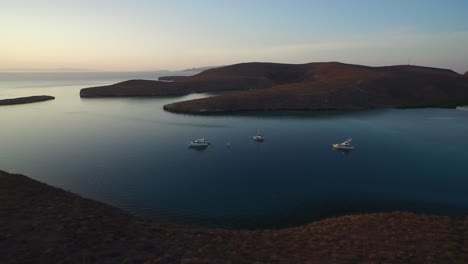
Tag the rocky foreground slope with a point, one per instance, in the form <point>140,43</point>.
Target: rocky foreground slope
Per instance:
<point>43,224</point>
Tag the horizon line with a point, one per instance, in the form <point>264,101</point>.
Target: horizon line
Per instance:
<point>198,69</point>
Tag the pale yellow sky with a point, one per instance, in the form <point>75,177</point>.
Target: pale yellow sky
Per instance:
<point>158,35</point>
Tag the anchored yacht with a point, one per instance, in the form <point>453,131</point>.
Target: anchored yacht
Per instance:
<point>198,143</point>
<point>344,146</point>
<point>258,137</point>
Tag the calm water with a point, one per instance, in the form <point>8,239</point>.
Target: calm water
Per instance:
<point>132,154</point>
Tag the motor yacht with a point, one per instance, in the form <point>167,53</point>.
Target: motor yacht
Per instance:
<point>344,146</point>
<point>258,137</point>
<point>198,143</point>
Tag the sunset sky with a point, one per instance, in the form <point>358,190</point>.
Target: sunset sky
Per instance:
<point>156,35</point>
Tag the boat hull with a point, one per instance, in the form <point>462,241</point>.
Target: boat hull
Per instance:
<point>337,146</point>
<point>197,145</point>
<point>259,139</point>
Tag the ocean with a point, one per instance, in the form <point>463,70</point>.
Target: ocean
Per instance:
<point>130,153</point>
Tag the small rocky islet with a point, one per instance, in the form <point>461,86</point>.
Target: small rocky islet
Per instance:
<point>43,224</point>
<point>26,100</point>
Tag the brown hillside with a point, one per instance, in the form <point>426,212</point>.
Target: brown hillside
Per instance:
<point>171,78</point>
<point>244,76</point>
<point>336,86</point>
<point>43,224</point>
<point>130,88</point>
<point>312,86</point>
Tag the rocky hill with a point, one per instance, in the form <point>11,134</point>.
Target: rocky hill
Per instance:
<point>312,86</point>
<point>336,86</point>
<point>43,224</point>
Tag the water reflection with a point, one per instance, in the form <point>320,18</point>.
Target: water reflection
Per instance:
<point>132,154</point>
<point>198,149</point>
<point>345,152</point>
<point>304,114</point>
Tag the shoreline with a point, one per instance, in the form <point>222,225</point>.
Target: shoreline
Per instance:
<point>26,100</point>
<point>173,109</point>
<point>310,86</point>
<point>43,224</point>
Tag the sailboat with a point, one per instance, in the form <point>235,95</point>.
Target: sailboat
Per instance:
<point>228,144</point>
<point>258,137</point>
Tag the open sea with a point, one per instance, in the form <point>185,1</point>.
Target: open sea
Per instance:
<point>130,153</point>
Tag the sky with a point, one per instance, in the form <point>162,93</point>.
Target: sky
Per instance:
<point>141,35</point>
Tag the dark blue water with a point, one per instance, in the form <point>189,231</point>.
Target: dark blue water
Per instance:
<point>132,154</point>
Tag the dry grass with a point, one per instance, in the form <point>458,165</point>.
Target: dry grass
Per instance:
<point>43,224</point>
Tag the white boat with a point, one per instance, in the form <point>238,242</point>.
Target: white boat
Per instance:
<point>344,146</point>
<point>258,137</point>
<point>464,108</point>
<point>198,143</point>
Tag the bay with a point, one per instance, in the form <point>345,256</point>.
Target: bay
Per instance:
<point>130,153</point>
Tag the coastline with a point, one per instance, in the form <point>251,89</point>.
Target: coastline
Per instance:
<point>26,100</point>
<point>311,86</point>
<point>43,224</point>
<point>173,108</point>
<point>203,107</point>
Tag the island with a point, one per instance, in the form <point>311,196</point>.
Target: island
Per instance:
<point>43,224</point>
<point>311,86</point>
<point>26,100</point>
<point>199,69</point>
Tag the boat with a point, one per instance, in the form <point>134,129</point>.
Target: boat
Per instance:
<point>198,143</point>
<point>228,144</point>
<point>464,108</point>
<point>344,146</point>
<point>258,137</point>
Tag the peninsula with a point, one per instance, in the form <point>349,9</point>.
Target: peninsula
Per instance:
<point>311,86</point>
<point>43,224</point>
<point>171,78</point>
<point>26,100</point>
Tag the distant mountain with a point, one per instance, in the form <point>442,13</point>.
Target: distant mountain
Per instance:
<point>202,68</point>
<point>311,86</point>
<point>45,70</point>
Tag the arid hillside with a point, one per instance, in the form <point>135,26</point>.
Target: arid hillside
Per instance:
<point>43,224</point>
<point>243,76</point>
<point>312,86</point>
<point>336,86</point>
